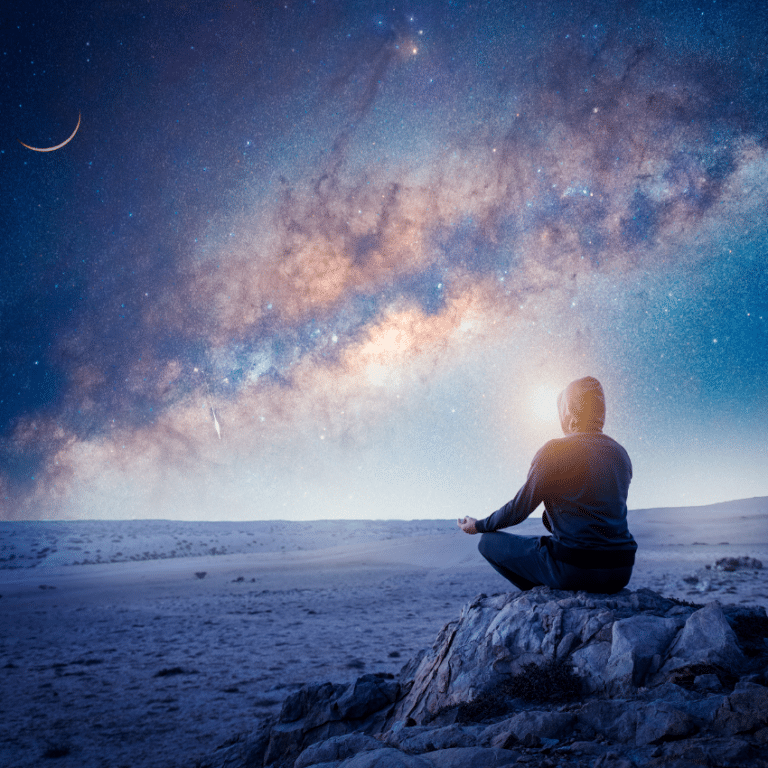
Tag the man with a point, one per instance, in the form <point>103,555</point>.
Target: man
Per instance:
<point>582,479</point>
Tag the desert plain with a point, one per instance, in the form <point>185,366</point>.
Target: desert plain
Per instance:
<point>143,643</point>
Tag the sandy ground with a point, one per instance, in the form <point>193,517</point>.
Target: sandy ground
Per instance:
<point>141,662</point>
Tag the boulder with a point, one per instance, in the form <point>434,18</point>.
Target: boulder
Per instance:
<point>311,703</point>
<point>323,712</point>
<point>663,722</point>
<point>726,752</point>
<point>612,643</point>
<point>638,644</point>
<point>746,709</point>
<point>706,638</point>
<point>288,740</point>
<point>668,713</point>
<point>385,758</point>
<point>521,673</point>
<point>471,757</point>
<point>738,563</point>
<point>614,719</point>
<point>427,739</point>
<point>590,662</point>
<point>366,695</point>
<point>529,728</point>
<point>336,749</point>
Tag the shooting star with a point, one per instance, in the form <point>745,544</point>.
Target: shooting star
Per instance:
<point>216,423</point>
<point>210,404</point>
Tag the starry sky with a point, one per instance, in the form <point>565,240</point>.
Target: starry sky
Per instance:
<point>324,258</point>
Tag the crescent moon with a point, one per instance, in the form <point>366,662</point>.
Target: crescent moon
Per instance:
<point>58,146</point>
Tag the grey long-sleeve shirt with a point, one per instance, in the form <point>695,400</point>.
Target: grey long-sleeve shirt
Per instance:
<point>583,480</point>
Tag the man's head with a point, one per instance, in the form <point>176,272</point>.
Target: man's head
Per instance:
<point>582,406</point>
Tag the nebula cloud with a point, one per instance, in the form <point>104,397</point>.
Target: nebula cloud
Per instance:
<point>380,219</point>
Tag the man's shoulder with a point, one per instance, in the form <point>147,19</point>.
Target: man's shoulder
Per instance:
<point>609,442</point>
<point>579,442</point>
<point>555,448</point>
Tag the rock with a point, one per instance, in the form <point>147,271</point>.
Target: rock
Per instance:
<point>586,748</point>
<point>663,723</point>
<point>519,674</point>
<point>751,628</point>
<point>324,711</point>
<point>590,662</point>
<point>706,638</point>
<point>386,758</point>
<point>247,752</point>
<point>746,709</point>
<point>612,760</point>
<point>471,757</point>
<point>638,723</point>
<point>637,646</point>
<point>529,728</point>
<point>336,749</point>
<point>288,740</point>
<point>366,695</point>
<point>720,752</point>
<point>311,703</point>
<point>702,708</point>
<point>612,643</point>
<point>738,563</point>
<point>331,764</point>
<point>708,682</point>
<point>427,739</point>
<point>493,638</point>
<point>614,719</point>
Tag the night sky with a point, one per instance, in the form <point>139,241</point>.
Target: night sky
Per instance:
<point>335,259</point>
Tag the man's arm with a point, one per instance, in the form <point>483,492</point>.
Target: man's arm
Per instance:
<point>527,499</point>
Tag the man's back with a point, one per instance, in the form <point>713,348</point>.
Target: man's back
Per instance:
<point>583,480</point>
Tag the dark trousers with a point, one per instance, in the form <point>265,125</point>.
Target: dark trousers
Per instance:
<point>527,563</point>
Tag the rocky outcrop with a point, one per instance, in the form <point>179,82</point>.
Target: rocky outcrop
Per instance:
<point>727,576</point>
<point>551,677</point>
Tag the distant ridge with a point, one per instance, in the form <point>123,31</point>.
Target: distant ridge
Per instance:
<point>751,506</point>
<point>743,523</point>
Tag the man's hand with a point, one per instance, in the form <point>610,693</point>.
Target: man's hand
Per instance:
<point>468,525</point>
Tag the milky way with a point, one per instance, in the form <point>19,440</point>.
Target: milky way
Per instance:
<point>320,259</point>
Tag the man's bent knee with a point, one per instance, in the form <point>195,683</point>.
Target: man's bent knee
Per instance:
<point>484,544</point>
